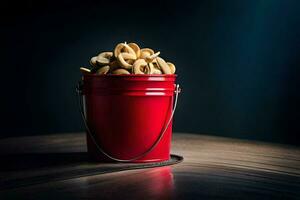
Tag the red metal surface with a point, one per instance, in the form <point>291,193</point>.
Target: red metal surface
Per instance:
<point>127,114</point>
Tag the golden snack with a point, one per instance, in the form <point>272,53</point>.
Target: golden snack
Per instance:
<point>172,67</point>
<point>141,67</point>
<point>130,50</point>
<point>114,65</point>
<point>150,59</point>
<point>136,49</point>
<point>123,62</point>
<point>103,70</point>
<point>129,59</point>
<point>93,61</point>
<point>123,47</point>
<point>120,71</point>
<point>84,70</point>
<point>163,65</point>
<point>154,69</point>
<point>104,58</point>
<point>145,52</point>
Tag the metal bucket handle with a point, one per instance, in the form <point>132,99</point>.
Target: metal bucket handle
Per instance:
<point>80,101</point>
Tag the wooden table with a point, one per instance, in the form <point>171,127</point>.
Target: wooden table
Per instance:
<point>213,168</point>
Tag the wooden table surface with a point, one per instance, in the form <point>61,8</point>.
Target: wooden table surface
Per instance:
<point>213,168</point>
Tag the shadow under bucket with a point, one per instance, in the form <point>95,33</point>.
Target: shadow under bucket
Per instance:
<point>128,117</point>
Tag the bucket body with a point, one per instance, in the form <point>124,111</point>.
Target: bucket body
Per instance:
<point>127,114</point>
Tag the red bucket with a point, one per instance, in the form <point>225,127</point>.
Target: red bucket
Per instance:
<point>129,117</point>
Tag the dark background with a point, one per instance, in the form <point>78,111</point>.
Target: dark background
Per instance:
<point>237,61</point>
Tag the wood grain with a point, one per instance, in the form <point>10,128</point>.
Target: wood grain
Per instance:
<point>214,168</point>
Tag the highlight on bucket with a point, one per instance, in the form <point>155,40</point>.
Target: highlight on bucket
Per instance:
<point>127,101</point>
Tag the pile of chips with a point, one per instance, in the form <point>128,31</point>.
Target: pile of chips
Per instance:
<point>129,59</point>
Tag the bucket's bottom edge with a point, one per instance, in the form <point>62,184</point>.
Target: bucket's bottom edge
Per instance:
<point>155,160</point>
<point>151,160</point>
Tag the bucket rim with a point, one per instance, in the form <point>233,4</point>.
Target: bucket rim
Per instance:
<point>130,75</point>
